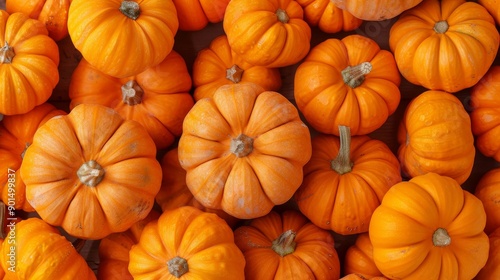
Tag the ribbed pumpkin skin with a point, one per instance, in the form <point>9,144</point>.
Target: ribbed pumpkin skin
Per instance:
<point>492,268</point>
<point>449,59</point>
<point>376,10</point>
<point>358,259</point>
<point>328,17</point>
<point>409,231</point>
<point>493,6</point>
<point>28,80</point>
<point>194,15</point>
<point>356,276</point>
<point>488,191</point>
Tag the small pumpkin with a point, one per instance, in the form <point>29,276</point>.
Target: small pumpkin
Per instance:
<point>195,15</point>
<point>123,38</point>
<point>41,252</point>
<point>28,63</point>
<point>270,33</point>
<point>187,243</point>
<point>91,172</point>
<point>488,191</point>
<point>16,135</point>
<point>492,268</point>
<point>376,10</point>
<point>358,259</point>
<point>287,246</point>
<point>444,45</point>
<point>219,65</point>
<point>485,113</point>
<point>357,276</point>
<point>345,180</point>
<point>243,150</point>
<point>328,17</point>
<point>53,13</point>
<point>158,98</point>
<point>429,228</point>
<point>350,82</point>
<point>435,135</point>
<point>493,8</point>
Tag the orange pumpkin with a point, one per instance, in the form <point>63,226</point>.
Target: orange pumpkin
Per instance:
<point>429,228</point>
<point>197,14</point>
<point>328,17</point>
<point>358,259</point>
<point>187,243</point>
<point>243,150</point>
<point>493,8</point>
<point>444,45</point>
<point>114,250</point>
<point>53,13</point>
<point>376,10</point>
<point>485,115</point>
<point>41,252</point>
<point>219,65</point>
<point>435,136</point>
<point>345,180</point>
<point>16,134</point>
<point>157,98</point>
<point>287,246</point>
<point>28,63</point>
<point>356,276</point>
<point>269,33</point>
<point>492,268</point>
<point>488,191</point>
<point>349,82</point>
<point>123,38</point>
<point>91,172</point>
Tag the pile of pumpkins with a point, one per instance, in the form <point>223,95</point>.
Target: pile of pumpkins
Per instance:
<point>235,148</point>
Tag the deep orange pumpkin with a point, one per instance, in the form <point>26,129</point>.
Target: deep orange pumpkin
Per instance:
<point>328,17</point>
<point>488,191</point>
<point>197,14</point>
<point>357,276</point>
<point>376,10</point>
<point>492,268</point>
<point>358,258</point>
<point>493,7</point>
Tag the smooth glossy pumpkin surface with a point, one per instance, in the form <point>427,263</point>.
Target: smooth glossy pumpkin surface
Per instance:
<point>376,10</point>
<point>123,38</point>
<point>91,172</point>
<point>349,82</point>
<point>187,243</point>
<point>196,14</point>
<point>16,134</point>
<point>269,33</point>
<point>358,259</point>
<point>41,252</point>
<point>287,246</point>
<point>493,6</point>
<point>157,98</point>
<point>435,136</point>
<point>28,63</point>
<point>53,13</point>
<point>492,268</point>
<point>244,150</point>
<point>485,115</point>
<point>444,45</point>
<point>219,65</point>
<point>345,180</point>
<point>429,228</point>
<point>488,191</point>
<point>328,17</point>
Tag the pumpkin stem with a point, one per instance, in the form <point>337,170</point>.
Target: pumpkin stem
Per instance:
<point>342,163</point>
<point>441,238</point>
<point>282,15</point>
<point>132,93</point>
<point>242,145</point>
<point>25,149</point>
<point>177,266</point>
<point>6,54</point>
<point>131,9</point>
<point>285,244</point>
<point>441,26</point>
<point>355,75</point>
<point>234,74</point>
<point>90,173</point>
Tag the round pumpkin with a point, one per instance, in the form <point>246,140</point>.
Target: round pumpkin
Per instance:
<point>187,243</point>
<point>53,13</point>
<point>444,45</point>
<point>357,276</point>
<point>28,63</point>
<point>429,228</point>
<point>328,17</point>
<point>123,38</point>
<point>195,15</point>
<point>488,191</point>
<point>492,268</point>
<point>376,10</point>
<point>435,135</point>
<point>270,33</point>
<point>485,113</point>
<point>358,259</point>
<point>493,8</point>
<point>219,65</point>
<point>41,252</point>
<point>350,82</point>
<point>158,98</point>
<point>91,172</point>
<point>16,134</point>
<point>243,150</point>
<point>287,246</point>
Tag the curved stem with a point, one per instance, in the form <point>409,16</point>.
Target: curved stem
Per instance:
<point>241,146</point>
<point>441,26</point>
<point>177,266</point>
<point>131,9</point>
<point>132,93</point>
<point>441,238</point>
<point>90,173</point>
<point>285,244</point>
<point>355,75</point>
<point>342,163</point>
<point>6,54</point>
<point>282,15</point>
<point>234,74</point>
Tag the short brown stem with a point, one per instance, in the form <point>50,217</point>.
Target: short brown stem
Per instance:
<point>282,15</point>
<point>177,266</point>
<point>90,173</point>
<point>242,145</point>
<point>285,244</point>
<point>131,9</point>
<point>355,75</point>
<point>441,26</point>
<point>234,74</point>
<point>441,238</point>
<point>342,163</point>
<point>6,54</point>
<point>132,93</point>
